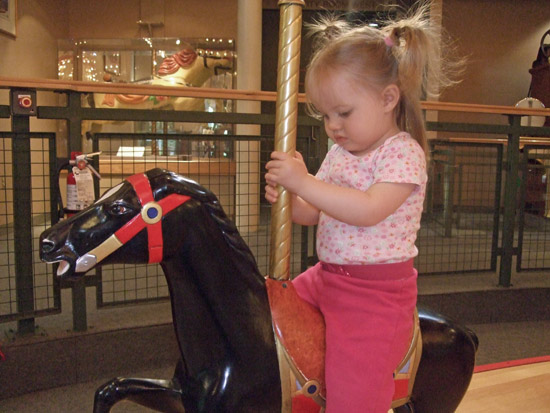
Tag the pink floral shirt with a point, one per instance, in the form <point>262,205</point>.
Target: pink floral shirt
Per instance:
<point>399,159</point>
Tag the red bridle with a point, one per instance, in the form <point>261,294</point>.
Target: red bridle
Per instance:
<point>150,216</point>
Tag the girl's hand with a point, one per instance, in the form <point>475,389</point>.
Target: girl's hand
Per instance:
<point>291,173</point>
<point>271,193</point>
<point>285,170</point>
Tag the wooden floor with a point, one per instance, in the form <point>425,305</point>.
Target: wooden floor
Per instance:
<point>524,388</point>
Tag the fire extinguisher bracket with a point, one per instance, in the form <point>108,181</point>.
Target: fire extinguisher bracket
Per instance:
<point>80,182</point>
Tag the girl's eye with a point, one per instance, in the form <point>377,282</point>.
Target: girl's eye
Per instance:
<point>345,114</point>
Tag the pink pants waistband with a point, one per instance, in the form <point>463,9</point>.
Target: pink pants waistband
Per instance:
<point>393,271</point>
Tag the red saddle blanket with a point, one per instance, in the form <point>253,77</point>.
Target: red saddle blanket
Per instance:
<point>300,328</point>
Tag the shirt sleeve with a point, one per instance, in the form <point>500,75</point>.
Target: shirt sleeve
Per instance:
<point>401,161</point>
<point>324,169</point>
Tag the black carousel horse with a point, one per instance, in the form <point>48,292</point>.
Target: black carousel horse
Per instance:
<point>221,313</point>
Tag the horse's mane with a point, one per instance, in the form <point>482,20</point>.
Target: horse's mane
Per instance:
<point>230,232</point>
<point>212,205</point>
<point>171,64</point>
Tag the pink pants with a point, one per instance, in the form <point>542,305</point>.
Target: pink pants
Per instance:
<point>368,313</point>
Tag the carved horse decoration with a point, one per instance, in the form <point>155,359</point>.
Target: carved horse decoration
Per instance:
<point>220,307</point>
<point>185,69</point>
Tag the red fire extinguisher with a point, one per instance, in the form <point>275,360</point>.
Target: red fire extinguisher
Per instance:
<point>80,184</point>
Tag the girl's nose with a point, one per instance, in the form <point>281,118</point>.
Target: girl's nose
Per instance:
<point>332,124</point>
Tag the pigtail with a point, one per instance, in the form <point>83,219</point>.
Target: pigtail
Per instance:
<point>405,52</point>
<point>421,72</point>
<point>325,29</point>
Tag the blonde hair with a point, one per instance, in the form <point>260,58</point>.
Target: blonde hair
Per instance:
<point>399,53</point>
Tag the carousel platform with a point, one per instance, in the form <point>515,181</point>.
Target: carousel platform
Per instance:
<point>517,386</point>
<point>521,386</point>
<point>59,370</point>
<point>503,387</point>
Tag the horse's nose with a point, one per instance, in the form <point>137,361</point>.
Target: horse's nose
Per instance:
<point>47,246</point>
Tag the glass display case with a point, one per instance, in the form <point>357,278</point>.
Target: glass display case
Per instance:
<point>157,61</point>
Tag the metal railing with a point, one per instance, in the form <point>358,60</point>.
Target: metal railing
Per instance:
<point>468,214</point>
<point>21,287</point>
<point>460,224</point>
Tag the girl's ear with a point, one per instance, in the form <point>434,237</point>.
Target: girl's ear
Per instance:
<point>390,97</point>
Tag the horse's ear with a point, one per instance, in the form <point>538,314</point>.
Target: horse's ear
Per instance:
<point>153,173</point>
<point>160,181</point>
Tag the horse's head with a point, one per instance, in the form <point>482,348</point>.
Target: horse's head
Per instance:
<point>217,63</point>
<point>124,225</point>
<point>189,69</point>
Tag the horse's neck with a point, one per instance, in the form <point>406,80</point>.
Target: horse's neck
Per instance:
<point>194,76</point>
<point>232,294</point>
<point>223,323</point>
<point>223,276</point>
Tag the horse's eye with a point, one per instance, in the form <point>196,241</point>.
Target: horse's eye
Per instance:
<point>118,209</point>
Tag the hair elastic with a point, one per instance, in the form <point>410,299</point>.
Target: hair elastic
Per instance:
<point>389,41</point>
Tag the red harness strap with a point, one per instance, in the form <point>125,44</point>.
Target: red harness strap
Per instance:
<point>150,217</point>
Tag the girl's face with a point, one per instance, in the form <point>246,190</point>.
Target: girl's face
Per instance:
<point>357,118</point>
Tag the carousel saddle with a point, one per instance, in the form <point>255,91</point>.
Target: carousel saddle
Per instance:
<point>304,347</point>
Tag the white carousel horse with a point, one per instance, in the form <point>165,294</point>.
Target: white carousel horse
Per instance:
<point>185,69</point>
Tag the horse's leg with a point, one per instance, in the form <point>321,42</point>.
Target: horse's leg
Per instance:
<point>406,408</point>
<point>160,395</point>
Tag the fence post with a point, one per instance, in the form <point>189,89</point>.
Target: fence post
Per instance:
<point>22,221</point>
<point>74,141</point>
<point>510,202</point>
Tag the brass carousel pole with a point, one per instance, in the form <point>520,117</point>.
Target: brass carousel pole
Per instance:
<point>286,119</point>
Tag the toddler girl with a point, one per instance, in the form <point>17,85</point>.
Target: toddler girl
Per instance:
<point>366,199</point>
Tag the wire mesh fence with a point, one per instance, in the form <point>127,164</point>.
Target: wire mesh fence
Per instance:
<point>459,229</point>
<point>534,224</point>
<point>46,290</point>
<point>8,303</point>
<point>42,296</point>
<point>230,166</point>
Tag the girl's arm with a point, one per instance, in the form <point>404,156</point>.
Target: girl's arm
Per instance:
<point>303,213</point>
<point>352,206</point>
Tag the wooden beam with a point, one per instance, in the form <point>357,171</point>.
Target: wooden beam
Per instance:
<point>234,94</point>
